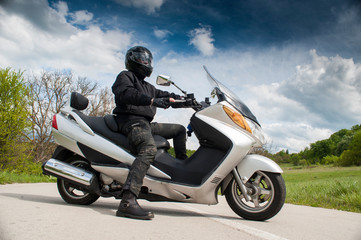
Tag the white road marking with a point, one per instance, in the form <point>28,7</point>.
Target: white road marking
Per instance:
<point>237,225</point>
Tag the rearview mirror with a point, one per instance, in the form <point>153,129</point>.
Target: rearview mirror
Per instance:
<point>163,80</point>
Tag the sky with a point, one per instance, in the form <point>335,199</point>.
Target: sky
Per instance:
<point>296,64</point>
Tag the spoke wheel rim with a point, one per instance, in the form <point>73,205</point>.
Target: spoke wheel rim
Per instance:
<point>261,190</point>
<point>70,189</point>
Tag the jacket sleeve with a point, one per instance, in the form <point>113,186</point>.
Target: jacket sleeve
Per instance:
<point>161,94</point>
<point>125,92</point>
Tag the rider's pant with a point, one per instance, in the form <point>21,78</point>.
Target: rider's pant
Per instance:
<point>140,136</point>
<point>172,131</point>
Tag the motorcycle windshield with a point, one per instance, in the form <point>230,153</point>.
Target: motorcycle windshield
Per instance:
<point>224,94</point>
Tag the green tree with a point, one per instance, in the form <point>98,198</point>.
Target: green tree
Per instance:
<point>320,149</point>
<point>14,102</point>
<point>340,149</point>
<point>352,156</point>
<point>282,156</point>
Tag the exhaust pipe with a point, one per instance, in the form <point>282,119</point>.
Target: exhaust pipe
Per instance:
<point>70,173</point>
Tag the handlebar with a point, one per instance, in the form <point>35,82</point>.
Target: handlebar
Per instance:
<point>183,103</point>
<point>189,102</point>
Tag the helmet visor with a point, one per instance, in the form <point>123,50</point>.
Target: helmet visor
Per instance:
<point>143,58</point>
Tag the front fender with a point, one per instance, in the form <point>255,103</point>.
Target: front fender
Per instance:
<point>254,162</point>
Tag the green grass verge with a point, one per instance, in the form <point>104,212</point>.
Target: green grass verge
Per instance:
<point>10,177</point>
<point>327,187</point>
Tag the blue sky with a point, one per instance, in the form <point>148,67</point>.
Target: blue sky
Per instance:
<point>296,64</point>
<point>231,24</point>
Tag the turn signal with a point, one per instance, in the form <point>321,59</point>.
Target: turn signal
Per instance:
<point>237,118</point>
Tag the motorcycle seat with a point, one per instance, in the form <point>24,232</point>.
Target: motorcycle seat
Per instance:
<point>108,128</point>
<point>110,121</point>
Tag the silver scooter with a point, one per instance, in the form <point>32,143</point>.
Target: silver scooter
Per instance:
<point>93,159</point>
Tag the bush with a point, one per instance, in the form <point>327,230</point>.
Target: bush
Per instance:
<point>330,159</point>
<point>14,102</point>
<point>303,162</point>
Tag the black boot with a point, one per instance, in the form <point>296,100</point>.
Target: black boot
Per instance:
<point>129,207</point>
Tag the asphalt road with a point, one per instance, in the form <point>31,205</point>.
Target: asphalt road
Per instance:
<point>37,212</point>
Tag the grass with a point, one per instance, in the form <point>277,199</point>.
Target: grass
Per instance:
<point>327,187</point>
<point>10,177</point>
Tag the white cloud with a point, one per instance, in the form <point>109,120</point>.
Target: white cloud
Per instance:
<point>329,87</point>
<point>25,43</point>
<point>62,8</point>
<point>149,5</point>
<point>162,33</point>
<point>202,39</point>
<point>82,17</point>
<point>319,98</point>
<point>294,136</point>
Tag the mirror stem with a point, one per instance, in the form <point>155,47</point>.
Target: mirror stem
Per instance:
<point>184,92</point>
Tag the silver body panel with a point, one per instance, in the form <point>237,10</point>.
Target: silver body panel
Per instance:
<point>253,162</point>
<point>69,133</point>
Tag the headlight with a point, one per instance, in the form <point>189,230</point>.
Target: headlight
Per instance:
<point>237,118</point>
<point>246,124</point>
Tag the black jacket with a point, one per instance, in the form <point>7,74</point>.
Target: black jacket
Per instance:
<point>133,97</point>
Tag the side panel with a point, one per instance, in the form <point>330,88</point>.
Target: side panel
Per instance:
<point>253,162</point>
<point>96,142</point>
<point>66,142</point>
<point>73,134</point>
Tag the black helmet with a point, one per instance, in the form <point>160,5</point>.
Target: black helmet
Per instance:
<point>139,60</point>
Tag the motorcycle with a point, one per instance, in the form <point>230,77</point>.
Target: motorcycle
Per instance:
<point>92,158</point>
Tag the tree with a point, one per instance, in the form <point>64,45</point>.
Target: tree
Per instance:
<point>282,156</point>
<point>341,148</point>
<point>320,149</point>
<point>352,156</point>
<point>50,92</point>
<point>14,102</point>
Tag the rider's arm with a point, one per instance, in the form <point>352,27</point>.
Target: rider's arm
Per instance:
<point>161,94</point>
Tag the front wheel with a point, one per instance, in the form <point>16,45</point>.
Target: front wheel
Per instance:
<point>72,193</point>
<point>267,191</point>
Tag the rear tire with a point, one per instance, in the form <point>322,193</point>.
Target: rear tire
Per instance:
<point>72,193</point>
<point>267,191</point>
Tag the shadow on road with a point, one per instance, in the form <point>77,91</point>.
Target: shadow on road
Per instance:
<point>34,198</point>
<point>106,208</point>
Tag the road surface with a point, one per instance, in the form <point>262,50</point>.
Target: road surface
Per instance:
<point>36,212</point>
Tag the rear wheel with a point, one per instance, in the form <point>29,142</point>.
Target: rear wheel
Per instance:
<point>72,193</point>
<point>267,192</point>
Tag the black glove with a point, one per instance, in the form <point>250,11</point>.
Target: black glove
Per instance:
<point>161,102</point>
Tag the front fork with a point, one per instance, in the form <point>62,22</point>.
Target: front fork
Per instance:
<point>241,185</point>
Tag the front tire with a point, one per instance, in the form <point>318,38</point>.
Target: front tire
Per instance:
<point>267,191</point>
<point>72,193</point>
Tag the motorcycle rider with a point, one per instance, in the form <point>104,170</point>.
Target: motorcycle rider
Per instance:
<point>136,102</point>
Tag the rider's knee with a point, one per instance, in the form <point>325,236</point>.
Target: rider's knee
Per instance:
<point>181,130</point>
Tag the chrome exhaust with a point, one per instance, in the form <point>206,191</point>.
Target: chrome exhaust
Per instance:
<point>69,172</point>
